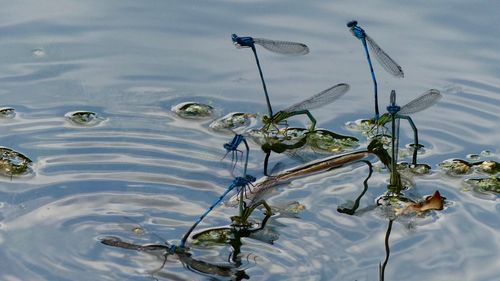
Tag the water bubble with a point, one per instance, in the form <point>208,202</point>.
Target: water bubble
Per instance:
<point>38,53</point>
<point>452,89</point>
<point>473,156</point>
<point>193,110</point>
<point>486,153</point>
<point>138,230</point>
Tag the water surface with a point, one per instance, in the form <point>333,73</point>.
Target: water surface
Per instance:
<point>143,166</point>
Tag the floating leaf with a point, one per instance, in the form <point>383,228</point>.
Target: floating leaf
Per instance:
<point>434,202</point>
<point>397,205</point>
<point>193,110</point>
<point>13,162</point>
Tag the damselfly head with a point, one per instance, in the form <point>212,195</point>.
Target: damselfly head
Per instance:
<point>393,108</point>
<point>242,42</point>
<point>352,23</point>
<point>357,31</point>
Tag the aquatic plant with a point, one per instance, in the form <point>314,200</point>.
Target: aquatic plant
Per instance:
<point>84,118</point>
<point>13,163</point>
<point>193,110</point>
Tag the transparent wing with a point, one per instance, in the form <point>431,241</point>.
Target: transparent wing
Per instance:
<point>282,47</point>
<point>387,63</point>
<point>325,97</point>
<point>426,100</point>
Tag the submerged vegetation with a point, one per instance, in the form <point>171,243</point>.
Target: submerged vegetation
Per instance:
<point>13,163</point>
<point>84,118</point>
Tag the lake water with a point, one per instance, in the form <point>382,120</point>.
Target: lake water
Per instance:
<point>144,175</point>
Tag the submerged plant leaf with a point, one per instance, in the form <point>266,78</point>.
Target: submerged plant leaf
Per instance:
<point>7,113</point>
<point>419,169</point>
<point>456,167</point>
<point>232,121</point>
<point>488,167</point>
<point>193,110</point>
<point>491,184</point>
<point>331,142</point>
<point>361,125</point>
<point>13,162</point>
<point>84,118</point>
<point>213,236</point>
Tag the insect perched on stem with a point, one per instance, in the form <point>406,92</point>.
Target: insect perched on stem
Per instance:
<point>323,98</point>
<point>387,62</point>
<point>232,147</point>
<point>239,182</point>
<point>275,46</point>
<point>395,112</point>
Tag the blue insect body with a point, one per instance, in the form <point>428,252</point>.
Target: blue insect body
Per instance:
<point>276,46</point>
<point>233,148</point>
<point>387,62</point>
<point>420,103</point>
<point>238,182</point>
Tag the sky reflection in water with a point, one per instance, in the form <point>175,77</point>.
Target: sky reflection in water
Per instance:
<point>130,63</point>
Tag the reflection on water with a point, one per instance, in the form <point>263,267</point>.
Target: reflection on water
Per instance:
<point>144,166</point>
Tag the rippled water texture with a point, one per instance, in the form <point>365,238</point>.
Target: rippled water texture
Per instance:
<point>142,174</point>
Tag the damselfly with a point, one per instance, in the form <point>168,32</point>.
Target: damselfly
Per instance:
<point>280,47</point>
<point>233,148</point>
<point>239,182</point>
<point>387,62</point>
<point>323,98</point>
<point>395,113</point>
